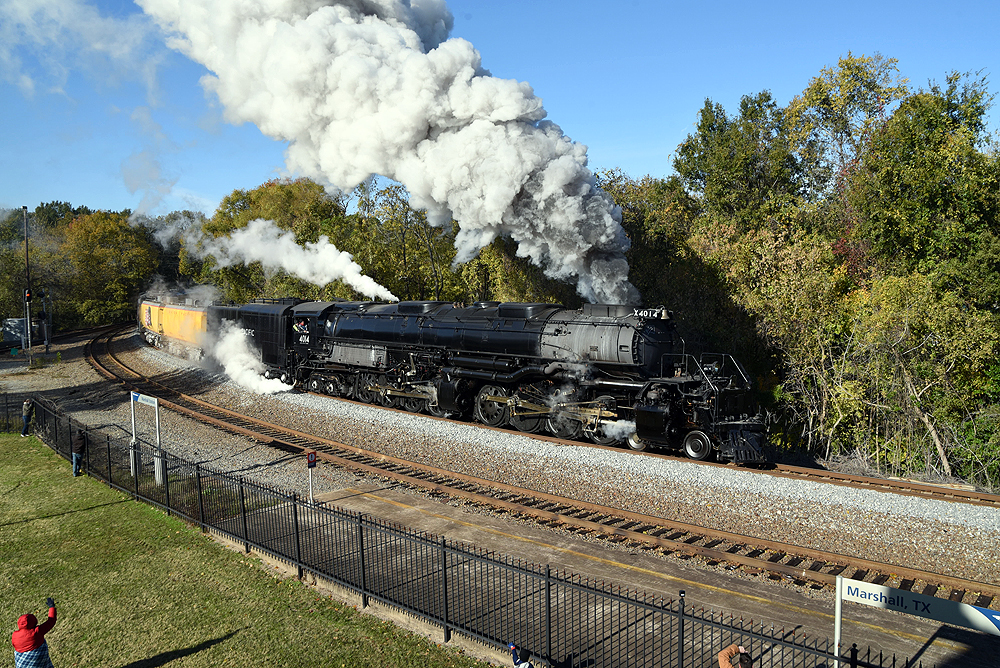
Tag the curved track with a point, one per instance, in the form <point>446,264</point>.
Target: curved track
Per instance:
<point>804,566</point>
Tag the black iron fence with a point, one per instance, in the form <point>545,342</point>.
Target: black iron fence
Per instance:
<point>563,618</point>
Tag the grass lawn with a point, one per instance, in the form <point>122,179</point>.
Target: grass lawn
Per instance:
<point>138,589</point>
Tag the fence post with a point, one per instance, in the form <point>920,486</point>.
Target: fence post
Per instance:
<point>680,634</point>
<point>548,613</point>
<point>298,546</point>
<point>86,452</point>
<point>136,465</point>
<point>243,514</point>
<point>361,556</point>
<point>166,482</point>
<point>201,500</point>
<point>854,655</point>
<point>444,590</point>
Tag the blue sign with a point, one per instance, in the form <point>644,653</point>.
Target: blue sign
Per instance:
<point>143,399</point>
<point>929,607</point>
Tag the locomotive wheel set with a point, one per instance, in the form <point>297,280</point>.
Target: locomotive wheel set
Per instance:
<point>610,374</point>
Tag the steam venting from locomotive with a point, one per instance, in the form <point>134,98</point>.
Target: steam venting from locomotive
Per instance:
<point>362,87</point>
<point>318,263</point>
<point>275,249</point>
<point>241,364</point>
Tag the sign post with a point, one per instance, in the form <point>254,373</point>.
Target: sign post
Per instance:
<point>159,459</point>
<point>311,464</point>
<point>939,609</point>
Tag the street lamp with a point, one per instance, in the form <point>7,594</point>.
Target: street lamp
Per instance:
<point>27,289</point>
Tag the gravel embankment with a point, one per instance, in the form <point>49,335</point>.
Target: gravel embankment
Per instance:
<point>951,538</point>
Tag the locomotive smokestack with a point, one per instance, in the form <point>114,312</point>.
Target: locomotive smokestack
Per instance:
<point>361,87</point>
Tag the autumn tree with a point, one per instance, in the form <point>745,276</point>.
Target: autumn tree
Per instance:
<point>300,206</point>
<point>110,261</point>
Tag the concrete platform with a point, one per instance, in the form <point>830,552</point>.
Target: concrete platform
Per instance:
<point>756,598</point>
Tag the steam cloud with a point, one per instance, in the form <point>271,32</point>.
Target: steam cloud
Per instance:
<point>319,263</point>
<point>242,364</point>
<point>263,241</point>
<point>361,87</point>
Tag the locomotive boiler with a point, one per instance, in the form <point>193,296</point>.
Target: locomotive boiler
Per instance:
<point>608,373</point>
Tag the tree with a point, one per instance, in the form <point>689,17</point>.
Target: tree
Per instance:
<point>838,110</point>
<point>110,261</point>
<point>926,194</point>
<point>745,169</point>
<point>300,206</point>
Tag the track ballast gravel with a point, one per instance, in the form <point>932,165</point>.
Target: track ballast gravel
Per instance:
<point>954,539</point>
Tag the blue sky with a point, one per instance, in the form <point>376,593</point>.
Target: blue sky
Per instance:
<point>96,108</point>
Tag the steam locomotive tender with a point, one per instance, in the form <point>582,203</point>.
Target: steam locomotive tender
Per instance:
<point>608,373</point>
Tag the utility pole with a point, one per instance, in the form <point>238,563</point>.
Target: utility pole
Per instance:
<point>27,289</point>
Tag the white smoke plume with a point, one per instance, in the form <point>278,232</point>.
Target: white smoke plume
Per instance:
<point>241,364</point>
<point>361,87</point>
<point>263,241</point>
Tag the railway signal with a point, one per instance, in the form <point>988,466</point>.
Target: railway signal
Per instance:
<point>311,464</point>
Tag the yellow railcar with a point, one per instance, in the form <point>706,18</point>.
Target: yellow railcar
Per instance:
<point>169,325</point>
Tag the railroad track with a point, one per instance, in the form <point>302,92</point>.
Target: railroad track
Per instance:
<point>804,566</point>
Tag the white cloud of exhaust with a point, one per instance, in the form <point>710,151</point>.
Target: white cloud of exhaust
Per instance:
<point>361,87</point>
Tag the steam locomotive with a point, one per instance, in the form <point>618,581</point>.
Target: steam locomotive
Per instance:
<point>611,374</point>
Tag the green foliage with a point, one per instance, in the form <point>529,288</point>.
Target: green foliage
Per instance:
<point>877,298</point>
<point>838,110</point>
<point>110,262</point>
<point>926,194</point>
<point>745,169</point>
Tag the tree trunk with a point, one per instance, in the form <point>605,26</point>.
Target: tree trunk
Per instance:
<point>925,418</point>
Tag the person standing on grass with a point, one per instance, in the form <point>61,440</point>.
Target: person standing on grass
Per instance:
<point>26,409</point>
<point>30,648</point>
<point>78,446</point>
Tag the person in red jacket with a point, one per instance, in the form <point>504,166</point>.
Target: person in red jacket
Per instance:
<point>30,648</point>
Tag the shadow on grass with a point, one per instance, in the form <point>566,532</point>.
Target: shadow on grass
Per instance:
<point>68,512</point>
<point>164,658</point>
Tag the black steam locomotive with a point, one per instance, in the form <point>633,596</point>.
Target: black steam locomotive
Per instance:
<point>611,374</point>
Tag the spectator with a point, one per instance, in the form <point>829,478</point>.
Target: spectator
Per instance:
<point>728,657</point>
<point>30,648</point>
<point>26,410</point>
<point>78,446</point>
<point>521,656</point>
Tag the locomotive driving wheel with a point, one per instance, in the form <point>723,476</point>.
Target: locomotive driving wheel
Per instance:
<point>561,425</point>
<point>413,404</point>
<point>600,433</point>
<point>636,443</point>
<point>529,424</point>
<point>488,410</point>
<point>365,381</point>
<point>530,420</point>
<point>697,445</point>
<point>387,400</point>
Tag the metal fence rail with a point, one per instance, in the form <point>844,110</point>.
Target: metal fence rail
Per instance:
<point>561,617</point>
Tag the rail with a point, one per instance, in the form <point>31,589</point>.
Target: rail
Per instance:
<point>560,616</point>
